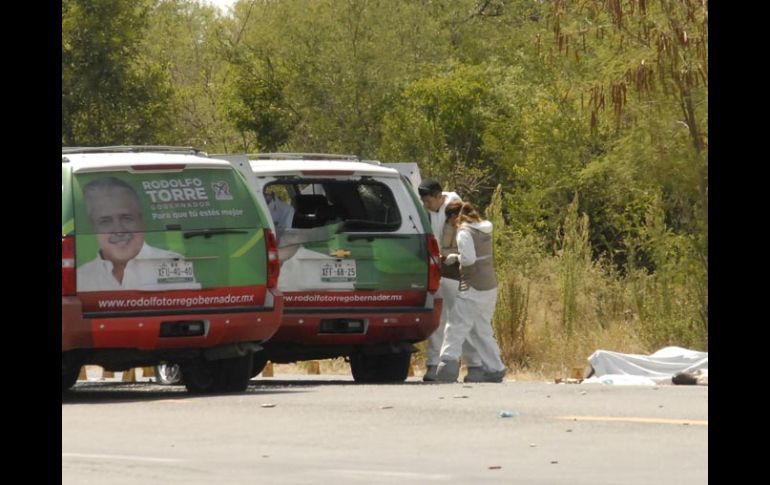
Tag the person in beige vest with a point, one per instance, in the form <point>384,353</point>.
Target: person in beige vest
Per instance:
<point>471,317</point>
<point>435,200</point>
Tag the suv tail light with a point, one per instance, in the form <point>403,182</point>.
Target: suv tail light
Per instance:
<point>434,263</point>
<point>273,263</point>
<point>67,266</point>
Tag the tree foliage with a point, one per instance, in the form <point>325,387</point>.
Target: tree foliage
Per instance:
<point>189,41</point>
<point>111,94</point>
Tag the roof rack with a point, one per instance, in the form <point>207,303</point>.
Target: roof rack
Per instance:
<point>302,156</point>
<point>310,156</point>
<point>133,149</point>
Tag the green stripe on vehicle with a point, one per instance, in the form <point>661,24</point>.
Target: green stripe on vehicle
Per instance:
<point>68,227</point>
<point>249,244</point>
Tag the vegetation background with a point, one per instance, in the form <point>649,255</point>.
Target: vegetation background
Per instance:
<point>579,126</point>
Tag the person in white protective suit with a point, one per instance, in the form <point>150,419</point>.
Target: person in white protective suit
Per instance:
<point>435,201</point>
<point>471,317</point>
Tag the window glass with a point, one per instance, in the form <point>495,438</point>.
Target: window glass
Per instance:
<point>359,204</point>
<point>151,201</point>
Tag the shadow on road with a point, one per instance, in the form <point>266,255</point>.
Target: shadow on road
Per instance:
<point>121,392</point>
<point>260,383</point>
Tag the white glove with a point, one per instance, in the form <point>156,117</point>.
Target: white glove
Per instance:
<point>451,259</point>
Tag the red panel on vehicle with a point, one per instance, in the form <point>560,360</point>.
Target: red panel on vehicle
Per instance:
<point>144,332</point>
<point>165,167</point>
<point>328,172</point>
<point>127,301</point>
<point>383,327</point>
<point>302,299</point>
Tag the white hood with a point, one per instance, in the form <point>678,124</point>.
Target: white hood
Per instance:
<point>451,197</point>
<point>483,226</point>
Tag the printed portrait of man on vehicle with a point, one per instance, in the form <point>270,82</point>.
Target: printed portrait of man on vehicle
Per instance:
<point>124,260</point>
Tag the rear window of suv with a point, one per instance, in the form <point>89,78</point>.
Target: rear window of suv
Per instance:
<point>192,199</point>
<point>361,205</point>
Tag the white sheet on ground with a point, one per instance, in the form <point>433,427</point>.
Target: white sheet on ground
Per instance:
<point>622,380</point>
<point>664,363</point>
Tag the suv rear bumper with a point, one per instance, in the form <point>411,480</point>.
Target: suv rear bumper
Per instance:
<point>143,331</point>
<point>381,326</point>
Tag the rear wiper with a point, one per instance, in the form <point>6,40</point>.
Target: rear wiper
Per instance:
<point>362,225</point>
<point>207,233</point>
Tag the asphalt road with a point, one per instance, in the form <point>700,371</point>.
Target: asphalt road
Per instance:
<point>326,429</point>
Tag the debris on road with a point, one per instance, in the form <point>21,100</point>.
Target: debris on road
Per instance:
<point>569,380</point>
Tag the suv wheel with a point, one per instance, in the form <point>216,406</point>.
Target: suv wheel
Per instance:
<point>226,375</point>
<point>393,367</point>
<point>168,374</point>
<point>258,365</point>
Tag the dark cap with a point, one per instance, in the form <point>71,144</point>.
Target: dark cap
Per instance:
<point>429,187</point>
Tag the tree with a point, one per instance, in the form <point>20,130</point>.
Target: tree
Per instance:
<point>110,93</point>
<point>440,122</point>
<point>649,92</point>
<point>191,41</point>
<point>325,72</point>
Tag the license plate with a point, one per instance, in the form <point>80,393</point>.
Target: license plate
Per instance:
<point>175,272</point>
<point>336,271</point>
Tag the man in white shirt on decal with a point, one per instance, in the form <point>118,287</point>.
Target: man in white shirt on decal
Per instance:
<point>125,261</point>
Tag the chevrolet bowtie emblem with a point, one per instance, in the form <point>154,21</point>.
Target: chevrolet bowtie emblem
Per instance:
<point>340,253</point>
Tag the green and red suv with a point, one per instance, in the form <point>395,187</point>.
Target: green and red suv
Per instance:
<point>167,257</point>
<point>359,264</point>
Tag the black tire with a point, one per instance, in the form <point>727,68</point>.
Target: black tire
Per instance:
<point>69,378</point>
<point>168,374</point>
<point>234,374</point>
<point>392,367</point>
<point>199,377</point>
<point>226,375</point>
<point>258,365</point>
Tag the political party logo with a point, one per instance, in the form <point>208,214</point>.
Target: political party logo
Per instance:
<point>221,190</point>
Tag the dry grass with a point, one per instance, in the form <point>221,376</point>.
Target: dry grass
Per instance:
<point>326,367</point>
<point>554,311</point>
<point>338,367</point>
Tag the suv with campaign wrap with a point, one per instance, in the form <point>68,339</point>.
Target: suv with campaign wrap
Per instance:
<point>167,257</point>
<point>359,264</point>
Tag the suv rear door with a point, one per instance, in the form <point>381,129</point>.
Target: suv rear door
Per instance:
<point>199,241</point>
<point>354,234</point>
